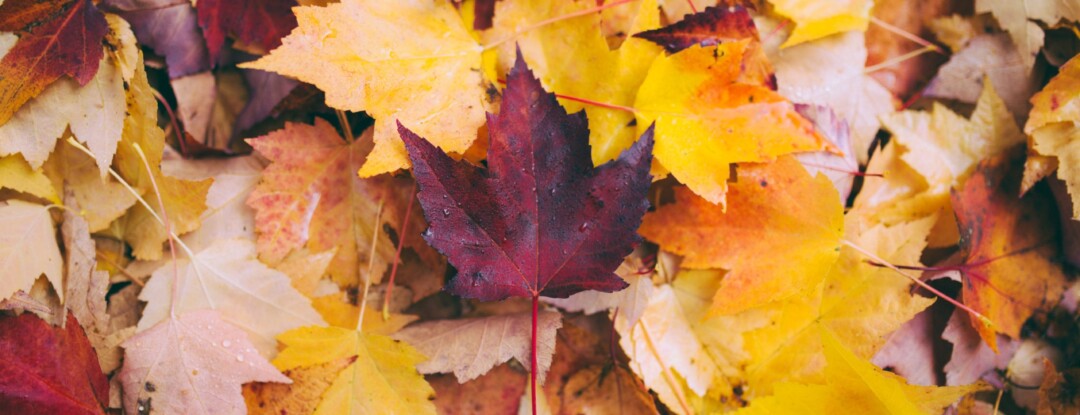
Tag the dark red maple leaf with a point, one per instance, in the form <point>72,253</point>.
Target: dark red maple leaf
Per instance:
<point>55,38</point>
<point>257,22</point>
<point>709,27</point>
<point>540,220</point>
<point>49,370</point>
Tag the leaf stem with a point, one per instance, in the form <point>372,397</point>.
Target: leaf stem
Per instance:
<point>897,59</point>
<point>345,127</point>
<point>397,255</point>
<point>532,350</point>
<point>168,230</point>
<point>555,19</point>
<point>371,268</point>
<point>921,283</point>
<point>905,34</point>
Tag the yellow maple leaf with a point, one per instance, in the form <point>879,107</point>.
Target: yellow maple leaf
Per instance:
<point>381,379</point>
<point>817,19</point>
<point>28,248</point>
<point>854,385</point>
<point>184,200</point>
<point>1054,131</point>
<point>572,58</point>
<point>429,80</point>
<point>778,213</point>
<point>711,113</point>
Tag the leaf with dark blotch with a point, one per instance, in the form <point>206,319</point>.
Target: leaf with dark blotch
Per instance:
<point>260,23</point>
<point>483,14</point>
<point>541,220</point>
<point>170,28</point>
<point>49,370</point>
<point>1010,247</point>
<point>53,41</point>
<point>710,27</point>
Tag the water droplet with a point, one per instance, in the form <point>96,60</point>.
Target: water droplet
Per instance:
<point>226,343</point>
<point>446,212</point>
<point>458,204</point>
<point>583,227</point>
<point>445,196</point>
<point>239,358</point>
<point>552,190</point>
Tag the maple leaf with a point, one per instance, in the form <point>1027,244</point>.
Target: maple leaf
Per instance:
<point>1018,18</point>
<point>785,206</point>
<point>94,111</point>
<point>208,104</point>
<point>192,364</point>
<point>572,58</point>
<point>225,276</point>
<point>255,23</point>
<point>1052,128</point>
<point>841,169</point>
<point>310,196</point>
<point>28,248</point>
<point>710,113</point>
<point>55,39</point>
<point>49,370</point>
<point>170,28</point>
<point>381,378</point>
<point>541,220</point>
<point>815,20</point>
<point>931,138</point>
<point>860,302</point>
<point>830,72</point>
<point>85,287</point>
<point>226,215</point>
<point>352,52</point>
<point>710,27</point>
<point>854,384</point>
<point>990,56</point>
<point>465,348</point>
<point>16,174</point>
<point>101,200</point>
<point>1009,246</point>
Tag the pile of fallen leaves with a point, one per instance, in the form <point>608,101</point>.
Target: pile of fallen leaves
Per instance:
<point>539,206</point>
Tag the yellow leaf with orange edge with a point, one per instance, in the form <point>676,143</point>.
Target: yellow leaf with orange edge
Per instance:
<point>429,80</point>
<point>860,302</point>
<point>778,214</point>
<point>818,19</point>
<point>1054,130</point>
<point>854,385</point>
<point>710,113</point>
<point>572,58</point>
<point>382,378</point>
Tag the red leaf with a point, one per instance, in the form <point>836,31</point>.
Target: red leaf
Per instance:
<point>257,22</point>
<point>541,220</point>
<point>49,370</point>
<point>62,39</point>
<point>710,27</point>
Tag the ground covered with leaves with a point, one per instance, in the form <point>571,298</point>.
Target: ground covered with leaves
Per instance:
<point>539,206</point>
